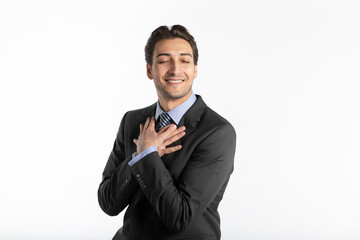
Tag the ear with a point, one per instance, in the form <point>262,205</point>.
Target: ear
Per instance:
<point>149,71</point>
<point>195,70</point>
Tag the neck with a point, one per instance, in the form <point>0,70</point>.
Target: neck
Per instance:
<point>169,104</point>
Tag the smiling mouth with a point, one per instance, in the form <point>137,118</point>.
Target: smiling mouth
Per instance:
<point>174,80</point>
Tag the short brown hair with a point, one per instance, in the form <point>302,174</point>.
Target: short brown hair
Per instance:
<point>163,32</point>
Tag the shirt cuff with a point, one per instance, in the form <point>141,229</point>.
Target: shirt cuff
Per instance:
<point>138,157</point>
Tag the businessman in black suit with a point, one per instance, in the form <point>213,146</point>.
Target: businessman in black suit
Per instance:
<point>171,161</point>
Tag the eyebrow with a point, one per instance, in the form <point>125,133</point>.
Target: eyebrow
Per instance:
<point>168,54</point>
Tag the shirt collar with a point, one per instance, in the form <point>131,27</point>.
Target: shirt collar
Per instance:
<point>178,112</point>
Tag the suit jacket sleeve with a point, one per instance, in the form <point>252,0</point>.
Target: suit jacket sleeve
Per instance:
<point>203,178</point>
<point>117,187</point>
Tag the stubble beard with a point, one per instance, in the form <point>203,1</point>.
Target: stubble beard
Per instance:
<point>174,96</point>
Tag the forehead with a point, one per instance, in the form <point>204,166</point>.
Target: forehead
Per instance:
<point>172,46</point>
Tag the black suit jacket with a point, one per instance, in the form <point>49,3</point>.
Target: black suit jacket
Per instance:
<point>176,196</point>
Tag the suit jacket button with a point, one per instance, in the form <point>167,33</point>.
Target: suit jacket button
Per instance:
<point>138,175</point>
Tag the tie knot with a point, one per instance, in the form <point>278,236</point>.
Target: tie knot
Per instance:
<point>164,120</point>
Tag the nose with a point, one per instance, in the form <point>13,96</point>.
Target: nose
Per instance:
<point>174,67</point>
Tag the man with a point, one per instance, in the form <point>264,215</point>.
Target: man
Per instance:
<point>171,161</point>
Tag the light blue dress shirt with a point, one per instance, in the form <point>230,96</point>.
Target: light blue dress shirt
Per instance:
<point>176,114</point>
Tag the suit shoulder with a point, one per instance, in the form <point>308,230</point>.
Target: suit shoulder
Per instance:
<point>214,120</point>
<point>141,111</point>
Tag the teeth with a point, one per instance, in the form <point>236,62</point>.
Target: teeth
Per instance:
<point>174,81</point>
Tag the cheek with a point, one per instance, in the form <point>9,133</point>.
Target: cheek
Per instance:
<point>190,73</point>
<point>159,71</point>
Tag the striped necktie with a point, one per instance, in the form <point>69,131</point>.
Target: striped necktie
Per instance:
<point>164,120</point>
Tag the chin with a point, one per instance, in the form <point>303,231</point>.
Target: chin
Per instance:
<point>177,95</point>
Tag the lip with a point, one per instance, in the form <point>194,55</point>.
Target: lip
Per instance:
<point>174,80</point>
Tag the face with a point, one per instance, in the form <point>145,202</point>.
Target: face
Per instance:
<point>173,70</point>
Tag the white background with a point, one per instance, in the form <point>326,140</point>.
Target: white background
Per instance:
<point>284,73</point>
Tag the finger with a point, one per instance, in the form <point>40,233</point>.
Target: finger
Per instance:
<point>152,123</point>
<point>177,130</point>
<point>165,128</point>
<point>172,139</point>
<point>146,125</point>
<point>170,150</point>
<point>165,134</point>
<point>141,127</point>
<point>173,132</point>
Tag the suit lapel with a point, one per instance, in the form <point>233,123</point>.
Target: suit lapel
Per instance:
<point>189,120</point>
